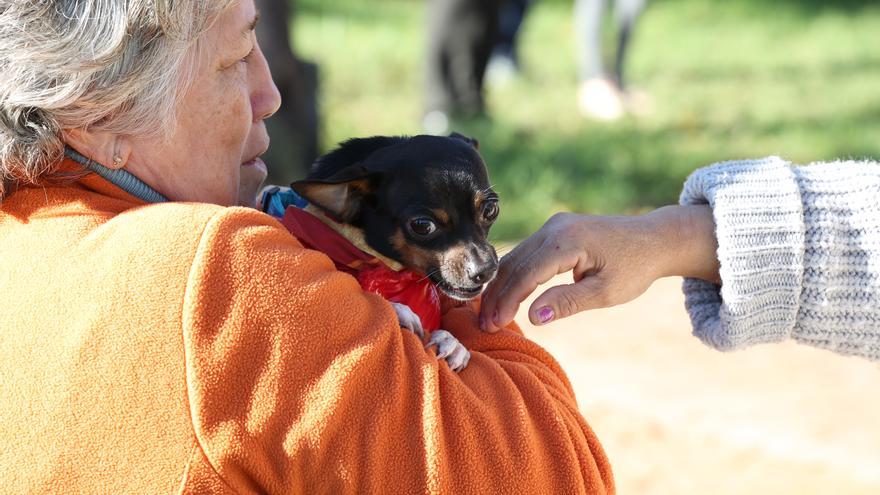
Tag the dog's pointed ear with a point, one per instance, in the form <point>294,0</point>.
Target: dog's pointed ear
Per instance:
<point>340,181</point>
<point>471,141</point>
<point>341,195</point>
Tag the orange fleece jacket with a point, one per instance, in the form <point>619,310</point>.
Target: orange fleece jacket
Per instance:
<point>190,348</point>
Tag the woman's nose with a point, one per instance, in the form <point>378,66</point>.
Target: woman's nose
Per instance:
<point>265,97</point>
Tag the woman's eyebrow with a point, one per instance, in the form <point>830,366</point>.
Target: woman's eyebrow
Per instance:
<point>246,33</point>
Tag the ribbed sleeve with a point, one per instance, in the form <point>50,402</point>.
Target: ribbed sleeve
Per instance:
<point>799,249</point>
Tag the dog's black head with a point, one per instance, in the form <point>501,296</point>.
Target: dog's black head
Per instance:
<point>424,201</point>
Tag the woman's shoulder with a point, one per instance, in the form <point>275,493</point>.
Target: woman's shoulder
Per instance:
<point>195,233</point>
<point>166,222</point>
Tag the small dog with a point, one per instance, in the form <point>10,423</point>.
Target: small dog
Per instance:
<point>424,202</point>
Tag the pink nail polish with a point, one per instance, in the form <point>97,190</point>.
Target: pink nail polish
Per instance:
<point>545,314</point>
<point>495,317</point>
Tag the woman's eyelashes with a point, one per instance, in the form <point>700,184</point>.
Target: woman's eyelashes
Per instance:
<point>247,57</point>
<point>240,62</point>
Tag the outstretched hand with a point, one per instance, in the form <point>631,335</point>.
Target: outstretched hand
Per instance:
<point>613,260</point>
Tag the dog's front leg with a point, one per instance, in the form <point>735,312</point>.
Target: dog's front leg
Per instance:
<point>449,348</point>
<point>408,319</point>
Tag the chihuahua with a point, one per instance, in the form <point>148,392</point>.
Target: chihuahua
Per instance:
<point>424,202</point>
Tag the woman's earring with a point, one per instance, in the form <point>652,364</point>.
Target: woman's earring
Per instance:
<point>117,160</point>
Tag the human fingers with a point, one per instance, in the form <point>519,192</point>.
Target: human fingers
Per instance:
<point>506,269</point>
<point>562,301</point>
<point>598,286</point>
<point>538,269</point>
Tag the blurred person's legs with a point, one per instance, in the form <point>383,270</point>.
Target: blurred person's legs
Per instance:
<point>601,95</point>
<point>504,62</point>
<point>588,16</point>
<point>626,12</point>
<point>294,128</point>
<point>461,36</point>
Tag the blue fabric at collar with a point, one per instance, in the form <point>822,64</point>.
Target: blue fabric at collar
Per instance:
<point>277,199</point>
<point>120,178</point>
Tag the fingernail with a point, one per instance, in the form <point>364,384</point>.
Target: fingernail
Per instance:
<point>495,317</point>
<point>545,314</point>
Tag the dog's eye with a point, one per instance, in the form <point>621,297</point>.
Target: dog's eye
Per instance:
<point>490,211</point>
<point>422,227</point>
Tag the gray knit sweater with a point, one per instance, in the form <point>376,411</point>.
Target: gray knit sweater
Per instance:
<point>799,249</point>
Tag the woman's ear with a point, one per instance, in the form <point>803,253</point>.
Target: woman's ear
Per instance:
<point>109,150</point>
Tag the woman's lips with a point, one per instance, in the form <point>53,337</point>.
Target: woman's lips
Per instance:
<point>257,163</point>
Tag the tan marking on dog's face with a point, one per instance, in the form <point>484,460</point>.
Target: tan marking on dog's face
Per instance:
<point>480,199</point>
<point>414,257</point>
<point>441,215</point>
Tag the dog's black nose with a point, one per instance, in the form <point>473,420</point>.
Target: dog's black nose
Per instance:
<point>484,274</point>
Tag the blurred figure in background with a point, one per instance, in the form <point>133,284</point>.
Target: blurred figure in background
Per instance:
<point>602,95</point>
<point>294,128</point>
<point>504,62</point>
<point>461,34</point>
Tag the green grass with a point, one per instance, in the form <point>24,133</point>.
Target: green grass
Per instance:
<point>728,79</point>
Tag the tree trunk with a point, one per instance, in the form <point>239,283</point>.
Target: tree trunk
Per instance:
<point>294,129</point>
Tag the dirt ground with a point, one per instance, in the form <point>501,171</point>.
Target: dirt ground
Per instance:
<point>677,417</point>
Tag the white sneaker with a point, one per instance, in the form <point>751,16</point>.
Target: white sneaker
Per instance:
<point>500,71</point>
<point>436,123</point>
<point>600,99</point>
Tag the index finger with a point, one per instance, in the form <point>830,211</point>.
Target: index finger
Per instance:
<point>506,269</point>
<point>531,271</point>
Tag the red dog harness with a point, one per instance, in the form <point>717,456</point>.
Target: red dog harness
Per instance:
<point>403,286</point>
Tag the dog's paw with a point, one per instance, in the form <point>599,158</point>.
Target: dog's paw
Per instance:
<point>449,348</point>
<point>409,319</point>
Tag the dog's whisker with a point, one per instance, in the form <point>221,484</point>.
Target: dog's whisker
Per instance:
<point>429,274</point>
<point>488,190</point>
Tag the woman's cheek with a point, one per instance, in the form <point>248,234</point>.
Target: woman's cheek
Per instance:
<point>235,122</point>
<point>233,91</point>
<point>231,106</point>
<point>242,112</point>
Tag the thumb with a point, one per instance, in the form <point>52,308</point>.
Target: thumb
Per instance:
<point>563,301</point>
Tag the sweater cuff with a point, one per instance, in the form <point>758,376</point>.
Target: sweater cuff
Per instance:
<point>759,224</point>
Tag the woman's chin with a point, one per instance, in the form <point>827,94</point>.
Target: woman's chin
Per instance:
<point>251,178</point>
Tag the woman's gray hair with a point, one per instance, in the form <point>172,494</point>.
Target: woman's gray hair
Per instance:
<point>118,66</point>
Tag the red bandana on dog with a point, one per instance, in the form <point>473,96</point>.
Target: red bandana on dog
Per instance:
<point>374,275</point>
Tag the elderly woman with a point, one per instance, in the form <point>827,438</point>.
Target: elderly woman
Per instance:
<point>157,340</point>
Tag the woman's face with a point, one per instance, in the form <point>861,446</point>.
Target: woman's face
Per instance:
<point>220,132</point>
